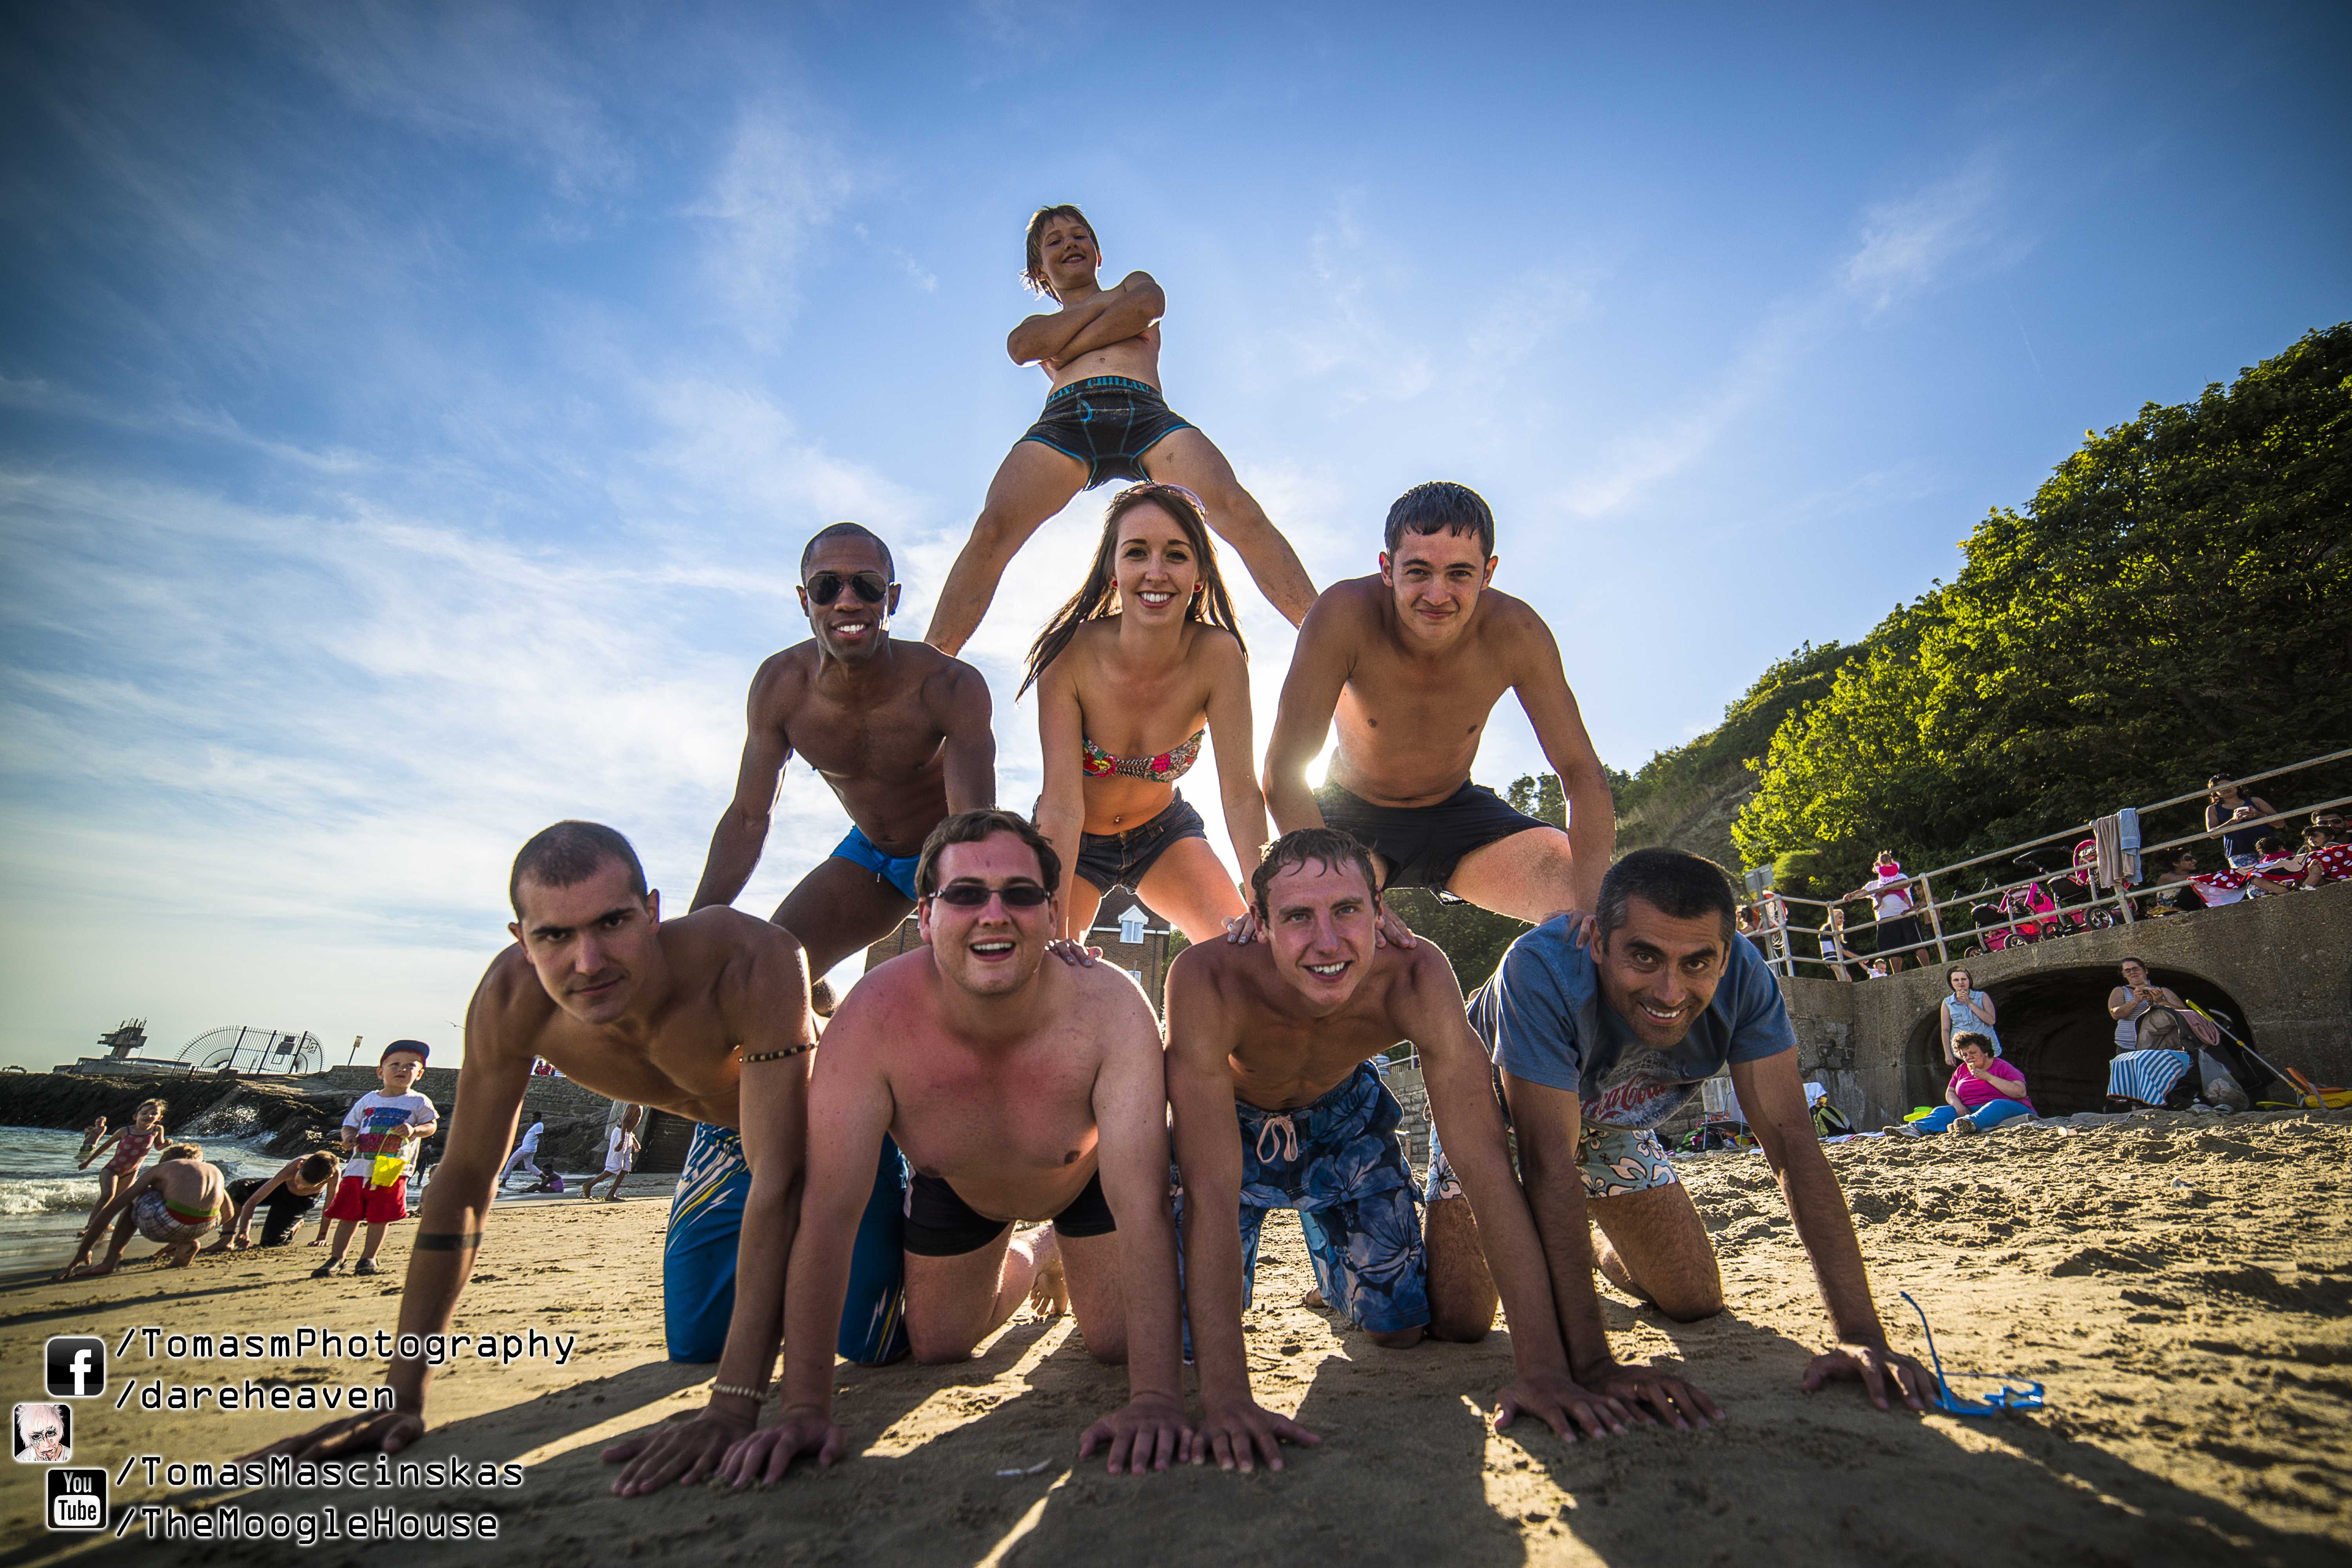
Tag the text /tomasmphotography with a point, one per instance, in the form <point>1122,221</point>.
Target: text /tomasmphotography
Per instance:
<point>308,1344</point>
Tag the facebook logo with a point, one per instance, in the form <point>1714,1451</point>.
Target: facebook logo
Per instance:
<point>77,1366</point>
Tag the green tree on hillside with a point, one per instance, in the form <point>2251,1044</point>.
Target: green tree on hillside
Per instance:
<point>2175,601</point>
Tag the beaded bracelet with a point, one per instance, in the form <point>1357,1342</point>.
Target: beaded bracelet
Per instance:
<point>779,1056</point>
<point>754,1394</point>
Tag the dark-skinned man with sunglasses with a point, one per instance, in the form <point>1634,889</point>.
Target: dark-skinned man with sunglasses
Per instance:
<point>705,1016</point>
<point>1021,1090</point>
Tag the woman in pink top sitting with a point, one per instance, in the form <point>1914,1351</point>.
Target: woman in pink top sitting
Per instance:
<point>1985,1091</point>
<point>1141,666</point>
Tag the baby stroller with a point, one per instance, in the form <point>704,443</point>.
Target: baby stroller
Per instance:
<point>2073,891</point>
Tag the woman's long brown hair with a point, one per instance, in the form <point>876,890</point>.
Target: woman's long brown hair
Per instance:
<point>1094,600</point>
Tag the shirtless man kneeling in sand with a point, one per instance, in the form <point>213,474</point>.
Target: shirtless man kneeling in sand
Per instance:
<point>1411,663</point>
<point>1597,1041</point>
<point>172,1202</point>
<point>707,1017</point>
<point>1105,419</point>
<point>1280,1032</point>
<point>1020,1091</point>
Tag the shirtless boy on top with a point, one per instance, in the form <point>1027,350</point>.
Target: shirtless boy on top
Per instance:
<point>1106,419</point>
<point>1411,662</point>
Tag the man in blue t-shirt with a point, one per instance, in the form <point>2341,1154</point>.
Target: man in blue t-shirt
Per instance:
<point>1599,1038</point>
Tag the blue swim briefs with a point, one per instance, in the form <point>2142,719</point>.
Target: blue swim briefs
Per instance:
<point>898,870</point>
<point>705,1219</point>
<point>1338,1163</point>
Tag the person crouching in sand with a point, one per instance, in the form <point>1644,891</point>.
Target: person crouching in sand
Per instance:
<point>1019,1089</point>
<point>172,1203</point>
<point>1596,1045</point>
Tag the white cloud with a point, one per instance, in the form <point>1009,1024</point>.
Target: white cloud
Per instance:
<point>775,189</point>
<point>1908,244</point>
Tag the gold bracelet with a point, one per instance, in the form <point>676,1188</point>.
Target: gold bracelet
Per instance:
<point>779,1056</point>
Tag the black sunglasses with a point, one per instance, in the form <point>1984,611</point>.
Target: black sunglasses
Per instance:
<point>973,895</point>
<point>826,586</point>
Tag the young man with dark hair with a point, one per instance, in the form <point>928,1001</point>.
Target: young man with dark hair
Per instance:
<point>1410,663</point>
<point>1596,1045</point>
<point>1105,419</point>
<point>704,1016</point>
<point>1019,1089</point>
<point>1277,1105</point>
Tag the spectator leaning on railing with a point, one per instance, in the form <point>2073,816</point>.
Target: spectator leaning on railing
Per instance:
<point>1890,896</point>
<point>2236,818</point>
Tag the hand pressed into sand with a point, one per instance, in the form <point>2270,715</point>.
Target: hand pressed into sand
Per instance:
<point>1148,1433</point>
<point>1873,1365</point>
<point>687,1452</point>
<point>1237,1432</point>
<point>385,1431</point>
<point>1560,1403</point>
<point>767,1454</point>
<point>1643,1390</point>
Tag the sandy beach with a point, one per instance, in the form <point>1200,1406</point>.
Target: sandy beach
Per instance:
<point>2181,1284</point>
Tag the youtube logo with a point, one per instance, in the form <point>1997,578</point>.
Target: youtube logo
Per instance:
<point>76,1366</point>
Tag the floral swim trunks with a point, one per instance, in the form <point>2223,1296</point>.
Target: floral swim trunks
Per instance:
<point>1614,1161</point>
<point>1338,1163</point>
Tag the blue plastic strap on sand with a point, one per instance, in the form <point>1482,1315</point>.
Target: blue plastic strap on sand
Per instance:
<point>2008,1396</point>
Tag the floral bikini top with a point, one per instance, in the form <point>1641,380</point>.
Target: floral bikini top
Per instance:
<point>1166,768</point>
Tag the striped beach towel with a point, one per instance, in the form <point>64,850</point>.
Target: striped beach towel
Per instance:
<point>2145,1076</point>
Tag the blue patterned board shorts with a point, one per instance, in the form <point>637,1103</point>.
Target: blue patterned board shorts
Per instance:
<point>1338,1163</point>
<point>1614,1161</point>
<point>706,1220</point>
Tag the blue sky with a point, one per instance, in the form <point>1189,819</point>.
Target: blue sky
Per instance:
<point>410,414</point>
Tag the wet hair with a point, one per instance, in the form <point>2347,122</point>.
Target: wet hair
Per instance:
<point>162,1109</point>
<point>822,1000</point>
<point>1211,605</point>
<point>848,530</point>
<point>568,853</point>
<point>1032,273</point>
<point>1329,847</point>
<point>182,1152</point>
<point>1679,885</point>
<point>317,1165</point>
<point>1983,1040</point>
<point>1442,506</point>
<point>974,827</point>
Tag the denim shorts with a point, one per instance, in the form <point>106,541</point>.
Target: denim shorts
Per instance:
<point>1111,860</point>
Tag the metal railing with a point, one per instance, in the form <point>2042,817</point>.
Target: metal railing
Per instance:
<point>2101,908</point>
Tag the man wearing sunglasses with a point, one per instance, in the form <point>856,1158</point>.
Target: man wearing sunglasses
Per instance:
<point>1277,1105</point>
<point>1020,1091</point>
<point>899,730</point>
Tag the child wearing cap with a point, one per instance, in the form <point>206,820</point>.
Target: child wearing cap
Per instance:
<point>377,1134</point>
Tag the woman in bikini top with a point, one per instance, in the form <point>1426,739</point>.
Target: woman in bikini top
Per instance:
<point>1146,651</point>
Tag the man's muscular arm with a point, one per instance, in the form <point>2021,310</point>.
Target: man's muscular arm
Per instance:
<point>768,1013</point>
<point>849,1110</point>
<point>1112,316</point>
<point>1318,672</point>
<point>743,832</point>
<point>960,706</point>
<point>1130,1106</point>
<point>1235,1431</point>
<point>1772,1099</point>
<point>490,1084</point>
<point>1551,707</point>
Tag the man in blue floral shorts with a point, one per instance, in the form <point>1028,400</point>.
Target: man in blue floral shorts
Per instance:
<point>1276,1105</point>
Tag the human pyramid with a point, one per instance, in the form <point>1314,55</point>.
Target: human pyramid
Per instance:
<point>879,1196</point>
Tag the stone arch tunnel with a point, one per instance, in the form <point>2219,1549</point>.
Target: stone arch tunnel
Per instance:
<point>2281,966</point>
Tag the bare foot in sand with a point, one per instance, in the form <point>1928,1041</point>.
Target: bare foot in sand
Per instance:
<point>1313,1301</point>
<point>1049,1288</point>
<point>89,1271</point>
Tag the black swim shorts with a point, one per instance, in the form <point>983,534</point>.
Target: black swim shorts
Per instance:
<point>1111,860</point>
<point>941,1224</point>
<point>1108,423</point>
<point>1423,844</point>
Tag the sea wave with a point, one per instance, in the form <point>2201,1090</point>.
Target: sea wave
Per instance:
<point>74,1196</point>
